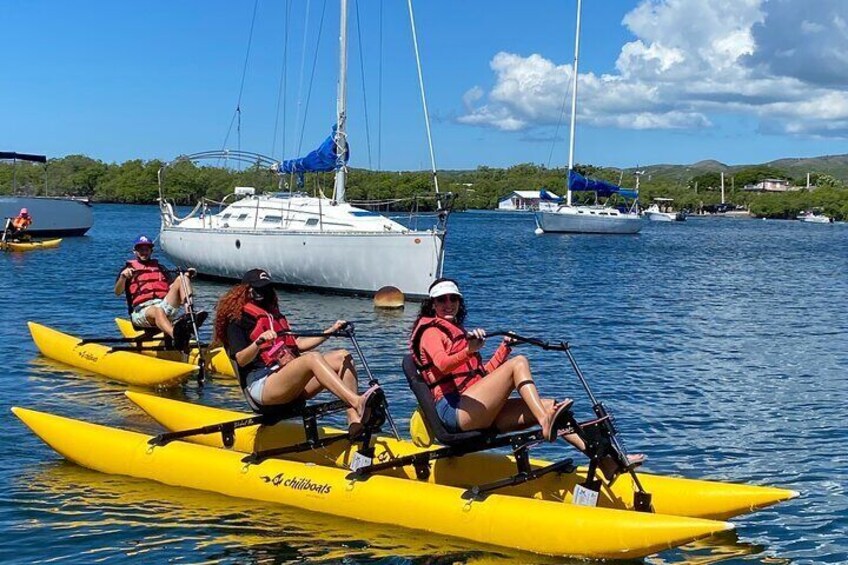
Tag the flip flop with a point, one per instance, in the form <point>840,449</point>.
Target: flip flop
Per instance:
<point>373,397</point>
<point>559,420</point>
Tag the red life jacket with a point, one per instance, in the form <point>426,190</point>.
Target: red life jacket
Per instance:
<point>460,378</point>
<point>148,281</point>
<point>277,351</point>
<point>21,222</point>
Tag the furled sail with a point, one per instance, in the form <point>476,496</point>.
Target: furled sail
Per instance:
<point>579,183</point>
<point>322,159</point>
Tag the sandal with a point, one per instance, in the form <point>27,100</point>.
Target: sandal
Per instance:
<point>559,420</point>
<point>371,401</point>
<point>611,469</point>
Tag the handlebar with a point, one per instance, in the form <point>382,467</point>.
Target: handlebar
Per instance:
<point>534,341</point>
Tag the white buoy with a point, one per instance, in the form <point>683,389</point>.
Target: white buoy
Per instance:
<point>389,297</point>
<point>539,231</point>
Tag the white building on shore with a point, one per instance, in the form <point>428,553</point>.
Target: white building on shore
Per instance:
<point>522,200</point>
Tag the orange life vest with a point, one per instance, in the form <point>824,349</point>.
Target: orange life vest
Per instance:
<point>460,378</point>
<point>21,223</point>
<point>277,351</point>
<point>149,281</point>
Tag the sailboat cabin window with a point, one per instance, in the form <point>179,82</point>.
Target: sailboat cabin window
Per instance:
<point>242,217</point>
<point>312,222</point>
<point>226,216</point>
<point>272,219</point>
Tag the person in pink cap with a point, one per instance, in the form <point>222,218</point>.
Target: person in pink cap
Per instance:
<point>17,226</point>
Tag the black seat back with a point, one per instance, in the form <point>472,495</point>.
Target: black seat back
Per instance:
<point>428,408</point>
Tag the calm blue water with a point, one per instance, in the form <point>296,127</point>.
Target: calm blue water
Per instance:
<point>721,344</point>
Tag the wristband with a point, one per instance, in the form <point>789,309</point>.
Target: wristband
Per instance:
<point>259,341</point>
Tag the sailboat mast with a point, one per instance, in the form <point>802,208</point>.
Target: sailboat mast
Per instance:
<point>341,108</point>
<point>573,99</point>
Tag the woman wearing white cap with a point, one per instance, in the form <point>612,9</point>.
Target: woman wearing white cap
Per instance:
<point>472,395</point>
<point>449,360</point>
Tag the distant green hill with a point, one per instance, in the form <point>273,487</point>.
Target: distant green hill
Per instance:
<point>692,186</point>
<point>795,168</point>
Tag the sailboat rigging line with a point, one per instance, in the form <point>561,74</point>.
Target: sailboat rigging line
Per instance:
<point>364,90</point>
<point>311,76</point>
<point>243,77</point>
<point>282,89</point>
<point>559,123</point>
<point>380,96</point>
<point>423,99</point>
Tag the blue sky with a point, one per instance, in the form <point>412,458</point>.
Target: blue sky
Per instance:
<point>660,81</point>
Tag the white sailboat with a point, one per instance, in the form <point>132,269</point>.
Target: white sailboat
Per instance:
<point>564,217</point>
<point>309,241</point>
<point>52,216</point>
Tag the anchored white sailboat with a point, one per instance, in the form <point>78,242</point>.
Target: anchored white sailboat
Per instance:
<point>310,241</point>
<point>564,217</point>
<point>52,216</point>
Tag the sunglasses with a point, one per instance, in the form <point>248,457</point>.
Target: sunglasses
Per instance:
<point>446,298</point>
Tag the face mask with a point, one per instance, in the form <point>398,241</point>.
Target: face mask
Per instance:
<point>262,295</point>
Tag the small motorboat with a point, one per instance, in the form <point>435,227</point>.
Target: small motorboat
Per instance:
<point>814,217</point>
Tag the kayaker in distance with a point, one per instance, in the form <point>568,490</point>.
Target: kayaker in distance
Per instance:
<point>154,296</point>
<point>17,227</point>
<point>276,368</point>
<point>472,395</point>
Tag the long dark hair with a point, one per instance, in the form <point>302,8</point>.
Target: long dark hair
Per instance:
<point>428,308</point>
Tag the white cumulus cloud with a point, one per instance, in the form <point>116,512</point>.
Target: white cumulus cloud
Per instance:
<point>780,61</point>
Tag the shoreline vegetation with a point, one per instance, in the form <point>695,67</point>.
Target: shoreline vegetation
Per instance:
<point>693,187</point>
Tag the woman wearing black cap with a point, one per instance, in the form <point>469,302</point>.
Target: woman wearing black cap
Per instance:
<point>274,367</point>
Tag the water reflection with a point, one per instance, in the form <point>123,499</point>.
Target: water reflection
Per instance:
<point>136,518</point>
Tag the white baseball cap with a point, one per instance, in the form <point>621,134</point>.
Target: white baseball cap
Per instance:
<point>444,287</point>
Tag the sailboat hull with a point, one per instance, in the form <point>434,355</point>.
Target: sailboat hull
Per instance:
<point>586,219</point>
<point>346,262</point>
<point>51,217</point>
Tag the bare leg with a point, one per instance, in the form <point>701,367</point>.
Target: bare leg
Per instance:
<point>342,363</point>
<point>156,316</point>
<point>290,382</point>
<point>515,415</point>
<point>176,296</point>
<point>483,401</point>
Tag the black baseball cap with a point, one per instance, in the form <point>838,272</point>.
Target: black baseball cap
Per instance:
<point>257,278</point>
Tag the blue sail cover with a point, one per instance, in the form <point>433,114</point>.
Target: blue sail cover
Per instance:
<point>548,197</point>
<point>579,183</point>
<point>322,159</point>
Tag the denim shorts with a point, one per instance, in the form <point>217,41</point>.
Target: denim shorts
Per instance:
<point>446,408</point>
<point>139,315</point>
<point>256,380</point>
